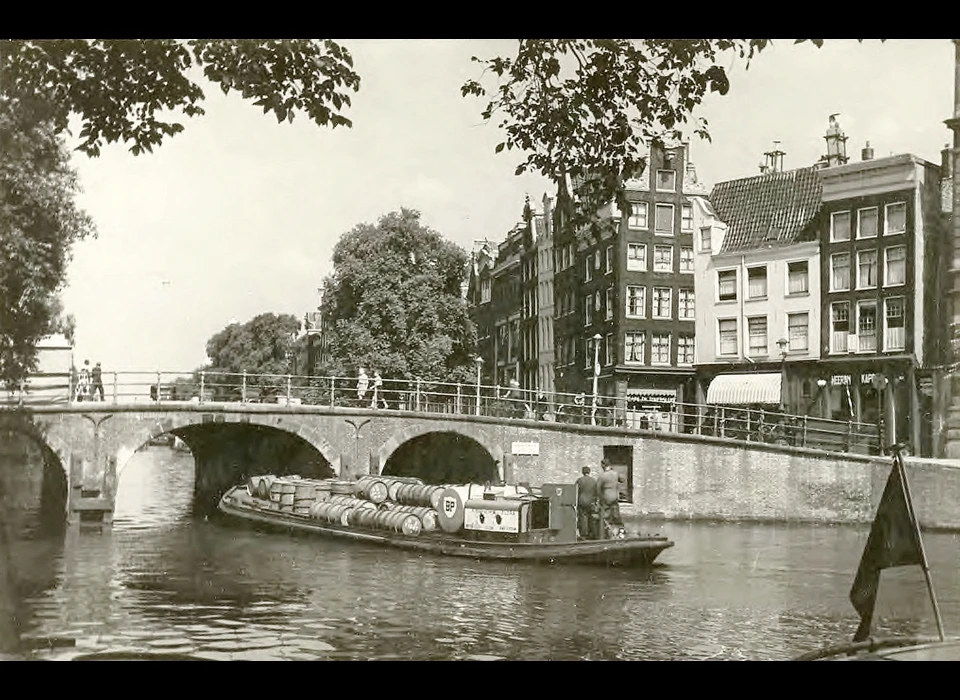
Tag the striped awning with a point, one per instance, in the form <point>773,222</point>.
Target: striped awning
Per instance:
<point>739,389</point>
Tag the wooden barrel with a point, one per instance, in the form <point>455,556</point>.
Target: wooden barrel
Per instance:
<point>373,489</point>
<point>365,517</point>
<point>347,488</point>
<point>263,487</point>
<point>411,525</point>
<point>352,502</point>
<point>428,516</point>
<point>346,515</point>
<point>315,509</point>
<point>434,496</point>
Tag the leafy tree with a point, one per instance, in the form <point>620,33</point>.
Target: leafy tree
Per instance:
<point>263,347</point>
<point>396,302</point>
<point>123,89</point>
<point>591,108</point>
<point>126,91</point>
<point>39,223</point>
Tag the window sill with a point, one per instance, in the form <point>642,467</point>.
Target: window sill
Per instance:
<point>839,240</point>
<point>894,233</point>
<point>865,238</point>
<point>866,289</point>
<point>838,291</point>
<point>726,301</point>
<point>791,295</point>
<point>894,285</point>
<point>749,299</point>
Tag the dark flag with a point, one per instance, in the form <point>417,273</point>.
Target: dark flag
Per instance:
<point>894,541</point>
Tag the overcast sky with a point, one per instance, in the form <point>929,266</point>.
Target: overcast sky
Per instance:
<point>238,215</point>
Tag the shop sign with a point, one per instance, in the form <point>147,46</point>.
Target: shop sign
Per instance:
<point>840,380</point>
<point>867,377</point>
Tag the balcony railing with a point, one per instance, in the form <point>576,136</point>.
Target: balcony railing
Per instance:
<point>446,398</point>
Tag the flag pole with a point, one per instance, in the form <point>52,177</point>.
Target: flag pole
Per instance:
<point>898,460</point>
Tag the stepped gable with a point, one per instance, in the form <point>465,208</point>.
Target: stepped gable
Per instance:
<point>772,209</point>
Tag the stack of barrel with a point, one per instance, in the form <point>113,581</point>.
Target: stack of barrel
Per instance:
<point>398,504</point>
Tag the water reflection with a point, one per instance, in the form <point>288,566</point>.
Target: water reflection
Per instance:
<point>169,581</point>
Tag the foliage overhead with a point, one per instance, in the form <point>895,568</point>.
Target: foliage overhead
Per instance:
<point>39,222</point>
<point>262,346</point>
<point>396,303</point>
<point>592,108</point>
<point>129,90</point>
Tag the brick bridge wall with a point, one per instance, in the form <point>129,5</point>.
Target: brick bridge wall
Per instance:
<point>674,476</point>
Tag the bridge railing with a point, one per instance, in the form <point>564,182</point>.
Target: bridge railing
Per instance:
<point>748,424</point>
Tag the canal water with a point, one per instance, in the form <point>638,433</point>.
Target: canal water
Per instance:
<point>168,581</point>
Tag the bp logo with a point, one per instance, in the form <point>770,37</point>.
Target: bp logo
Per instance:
<point>449,506</point>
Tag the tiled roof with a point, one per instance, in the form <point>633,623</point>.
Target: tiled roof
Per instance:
<point>773,209</point>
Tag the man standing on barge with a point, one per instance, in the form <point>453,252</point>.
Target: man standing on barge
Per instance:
<point>609,483</point>
<point>587,507</point>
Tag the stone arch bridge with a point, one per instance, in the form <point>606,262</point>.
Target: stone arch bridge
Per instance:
<point>87,446</point>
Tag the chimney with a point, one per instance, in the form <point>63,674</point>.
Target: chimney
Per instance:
<point>836,143</point>
<point>774,162</point>
<point>866,153</point>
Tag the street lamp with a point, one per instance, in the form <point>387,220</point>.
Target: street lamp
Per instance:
<point>596,375</point>
<point>782,344</point>
<point>479,361</point>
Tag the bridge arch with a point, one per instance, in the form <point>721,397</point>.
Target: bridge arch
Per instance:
<point>172,423</point>
<point>402,439</point>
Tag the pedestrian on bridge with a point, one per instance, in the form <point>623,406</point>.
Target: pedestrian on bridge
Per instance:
<point>97,376</point>
<point>83,382</point>
<point>363,381</point>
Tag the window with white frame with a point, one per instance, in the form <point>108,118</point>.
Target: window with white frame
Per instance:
<point>727,328</point>
<point>662,298</point>
<point>667,180</point>
<point>636,301</point>
<point>664,222</point>
<point>726,285</point>
<point>638,215</point>
<point>589,348</point>
<point>866,269</point>
<point>663,258</point>
<point>596,259</point>
<point>637,257</point>
<point>894,265</point>
<point>839,272</point>
<point>660,349</point>
<point>686,217</point>
<point>609,259</point>
<point>798,277</point>
<point>705,242</point>
<point>588,310</point>
<point>609,351</point>
<point>867,325</point>
<point>867,222</point>
<point>798,331</point>
<point>608,309</point>
<point>588,268</point>
<point>839,326</point>
<point>633,347</point>
<point>685,303</point>
<point>757,333</point>
<point>757,282</point>
<point>685,349</point>
<point>894,336</point>
<point>686,259</point>
<point>485,290</point>
<point>840,226</point>
<point>895,218</point>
